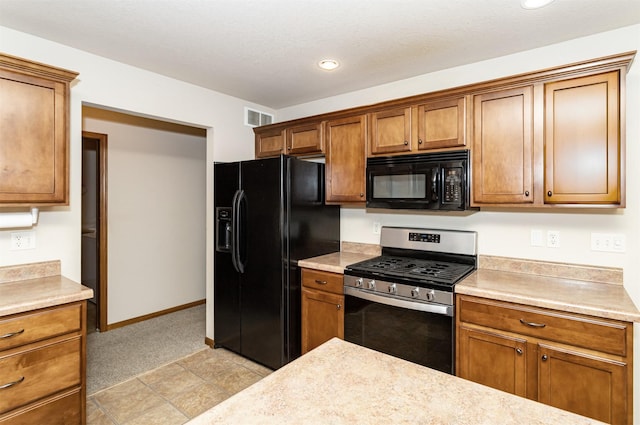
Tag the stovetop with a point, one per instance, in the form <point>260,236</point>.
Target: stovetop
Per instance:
<point>427,258</point>
<point>414,271</point>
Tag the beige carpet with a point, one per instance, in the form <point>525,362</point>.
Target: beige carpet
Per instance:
<point>118,355</point>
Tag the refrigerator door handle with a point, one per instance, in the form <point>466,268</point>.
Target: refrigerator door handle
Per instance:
<point>235,231</point>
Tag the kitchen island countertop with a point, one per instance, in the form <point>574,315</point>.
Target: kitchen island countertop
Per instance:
<point>343,383</point>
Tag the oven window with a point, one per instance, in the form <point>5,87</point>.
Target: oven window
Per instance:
<point>416,336</point>
<point>400,186</point>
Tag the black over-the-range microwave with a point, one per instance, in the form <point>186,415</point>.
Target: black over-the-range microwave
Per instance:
<point>432,181</point>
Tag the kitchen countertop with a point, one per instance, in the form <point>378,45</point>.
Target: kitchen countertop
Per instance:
<point>335,262</point>
<point>591,290</point>
<point>343,383</point>
<point>604,300</point>
<point>37,285</point>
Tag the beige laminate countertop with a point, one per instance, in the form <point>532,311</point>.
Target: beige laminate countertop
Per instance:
<point>595,291</point>
<point>37,285</point>
<point>334,262</point>
<point>604,300</point>
<point>343,383</point>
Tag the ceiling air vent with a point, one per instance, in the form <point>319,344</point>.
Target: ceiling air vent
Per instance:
<point>254,118</point>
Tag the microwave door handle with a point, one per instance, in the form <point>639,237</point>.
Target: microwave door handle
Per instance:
<point>434,184</point>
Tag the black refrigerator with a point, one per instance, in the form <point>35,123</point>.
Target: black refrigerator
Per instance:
<point>269,214</point>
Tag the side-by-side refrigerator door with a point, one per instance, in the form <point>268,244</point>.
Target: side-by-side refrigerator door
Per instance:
<point>262,280</point>
<point>226,280</point>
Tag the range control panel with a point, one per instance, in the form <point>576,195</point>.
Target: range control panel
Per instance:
<point>424,237</point>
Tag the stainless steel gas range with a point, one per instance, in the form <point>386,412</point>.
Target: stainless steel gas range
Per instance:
<point>402,302</point>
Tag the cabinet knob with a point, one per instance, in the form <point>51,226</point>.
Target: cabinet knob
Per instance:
<point>361,194</point>
<point>519,351</point>
<point>338,306</point>
<point>549,193</point>
<point>526,193</point>
<point>419,141</point>
<point>406,142</point>
<point>544,357</point>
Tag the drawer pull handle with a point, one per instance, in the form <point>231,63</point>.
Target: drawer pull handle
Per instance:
<point>10,334</point>
<point>321,282</point>
<point>533,325</point>
<point>11,384</point>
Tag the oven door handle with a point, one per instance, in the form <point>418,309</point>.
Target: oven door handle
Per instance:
<point>446,310</point>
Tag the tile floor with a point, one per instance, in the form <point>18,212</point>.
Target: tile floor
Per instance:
<point>175,393</point>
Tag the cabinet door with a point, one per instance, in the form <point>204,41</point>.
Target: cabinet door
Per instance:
<point>495,360</point>
<point>442,124</point>
<point>33,140</point>
<point>390,131</point>
<point>305,139</point>
<point>322,318</point>
<point>345,160</point>
<point>503,147</point>
<point>584,384</point>
<point>582,138</point>
<point>269,143</point>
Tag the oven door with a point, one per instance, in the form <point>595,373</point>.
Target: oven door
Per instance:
<point>417,332</point>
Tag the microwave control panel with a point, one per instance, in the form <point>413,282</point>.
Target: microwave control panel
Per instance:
<point>453,185</point>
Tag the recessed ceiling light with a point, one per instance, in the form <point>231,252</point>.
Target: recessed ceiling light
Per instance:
<point>328,64</point>
<point>534,4</point>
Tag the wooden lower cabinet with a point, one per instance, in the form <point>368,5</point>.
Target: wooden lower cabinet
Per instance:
<point>322,308</point>
<point>573,362</point>
<point>43,366</point>
<point>485,348</point>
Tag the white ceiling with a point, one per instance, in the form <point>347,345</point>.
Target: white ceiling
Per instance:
<point>266,51</point>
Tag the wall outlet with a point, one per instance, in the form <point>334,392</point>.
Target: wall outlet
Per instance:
<point>376,228</point>
<point>553,239</point>
<point>23,240</point>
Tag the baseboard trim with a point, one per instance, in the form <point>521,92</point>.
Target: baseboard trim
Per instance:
<point>152,315</point>
<point>209,341</point>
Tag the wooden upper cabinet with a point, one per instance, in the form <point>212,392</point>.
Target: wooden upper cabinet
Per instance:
<point>503,149</point>
<point>305,139</point>
<point>442,124</point>
<point>390,131</point>
<point>34,133</point>
<point>582,140</point>
<point>270,142</point>
<point>345,160</point>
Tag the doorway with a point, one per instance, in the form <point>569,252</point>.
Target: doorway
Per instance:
<point>94,227</point>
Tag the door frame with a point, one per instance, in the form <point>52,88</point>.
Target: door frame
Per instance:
<point>102,226</point>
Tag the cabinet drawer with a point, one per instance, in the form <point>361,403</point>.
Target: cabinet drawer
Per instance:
<point>39,372</point>
<point>602,335</point>
<point>35,326</point>
<point>64,409</point>
<point>324,281</point>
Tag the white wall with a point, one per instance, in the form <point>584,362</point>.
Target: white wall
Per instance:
<point>156,213</point>
<point>507,233</point>
<point>110,84</point>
